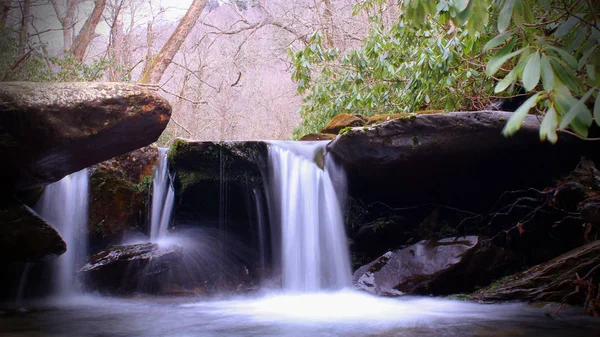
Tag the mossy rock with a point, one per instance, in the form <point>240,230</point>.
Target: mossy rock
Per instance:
<point>194,162</point>
<point>317,136</point>
<point>387,117</point>
<point>119,196</point>
<point>343,121</point>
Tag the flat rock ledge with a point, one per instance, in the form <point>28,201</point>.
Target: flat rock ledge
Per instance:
<point>49,130</point>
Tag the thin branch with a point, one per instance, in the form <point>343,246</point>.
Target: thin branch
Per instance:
<point>182,97</point>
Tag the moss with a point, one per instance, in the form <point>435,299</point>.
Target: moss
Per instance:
<point>447,229</point>
<point>415,141</point>
<point>144,184</point>
<point>347,130</point>
<point>496,284</point>
<point>460,297</point>
<point>195,162</point>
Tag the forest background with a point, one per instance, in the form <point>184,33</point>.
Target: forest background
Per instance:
<point>276,69</point>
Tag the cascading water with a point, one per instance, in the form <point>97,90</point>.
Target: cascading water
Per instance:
<point>163,197</point>
<point>64,205</point>
<point>314,252</point>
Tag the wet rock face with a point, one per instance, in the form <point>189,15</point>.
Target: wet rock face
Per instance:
<point>417,269</point>
<point>120,196</point>
<point>214,183</point>
<point>50,130</point>
<point>458,159</point>
<point>130,268</point>
<point>26,237</point>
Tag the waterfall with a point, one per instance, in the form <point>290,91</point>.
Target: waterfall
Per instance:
<point>163,197</point>
<point>64,205</point>
<point>314,251</point>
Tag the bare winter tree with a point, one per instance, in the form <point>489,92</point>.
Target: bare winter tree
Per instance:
<point>86,34</point>
<point>4,9</point>
<point>155,70</point>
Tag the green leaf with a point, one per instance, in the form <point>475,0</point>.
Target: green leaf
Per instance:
<point>496,62</point>
<point>531,73</point>
<point>597,109</point>
<point>566,27</point>
<point>547,73</point>
<point>585,57</point>
<point>505,15</point>
<point>579,111</point>
<point>496,41</point>
<point>548,126</point>
<point>516,119</point>
<point>461,5</point>
<point>510,78</point>
<point>579,128</point>
<point>566,74</point>
<point>571,61</point>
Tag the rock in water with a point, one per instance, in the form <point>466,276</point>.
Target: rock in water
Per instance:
<point>130,268</point>
<point>571,277</point>
<point>49,130</point>
<point>25,236</point>
<point>416,268</point>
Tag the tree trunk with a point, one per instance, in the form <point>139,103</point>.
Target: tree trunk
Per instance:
<point>4,9</point>
<point>86,34</point>
<point>159,64</point>
<point>25,22</point>
<point>328,29</point>
<point>149,46</point>
<point>67,21</point>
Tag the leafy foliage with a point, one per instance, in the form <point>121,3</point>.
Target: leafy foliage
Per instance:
<point>460,55</point>
<point>35,65</point>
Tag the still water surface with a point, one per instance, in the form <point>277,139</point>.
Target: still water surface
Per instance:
<point>345,313</point>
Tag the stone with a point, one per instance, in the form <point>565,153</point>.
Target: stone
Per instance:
<point>590,210</point>
<point>376,119</point>
<point>119,197</point>
<point>317,136</point>
<point>343,121</point>
<point>49,130</point>
<point>458,159</point>
<point>130,268</point>
<point>422,268</point>
<point>25,236</point>
<point>200,167</point>
<point>564,279</point>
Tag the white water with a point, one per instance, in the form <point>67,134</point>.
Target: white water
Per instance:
<point>64,205</point>
<point>163,197</point>
<point>314,252</point>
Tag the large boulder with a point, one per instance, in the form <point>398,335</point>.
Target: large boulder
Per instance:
<point>427,267</point>
<point>119,197</point>
<point>25,236</point>
<point>210,173</point>
<point>130,268</point>
<point>49,130</point>
<point>459,159</point>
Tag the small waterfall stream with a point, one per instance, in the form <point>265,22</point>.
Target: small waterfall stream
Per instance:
<point>314,251</point>
<point>163,197</point>
<point>64,205</point>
